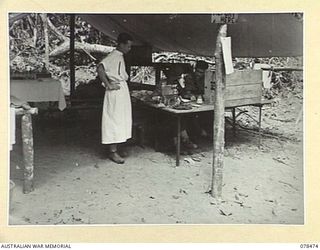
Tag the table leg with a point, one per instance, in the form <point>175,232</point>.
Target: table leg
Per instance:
<point>178,140</point>
<point>156,137</point>
<point>234,121</point>
<point>260,116</point>
<point>28,154</point>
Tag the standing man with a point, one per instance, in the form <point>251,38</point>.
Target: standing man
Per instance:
<point>116,115</point>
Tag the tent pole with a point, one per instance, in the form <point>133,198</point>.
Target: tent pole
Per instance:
<point>218,124</point>
<point>71,65</point>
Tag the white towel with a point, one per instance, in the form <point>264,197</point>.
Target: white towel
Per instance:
<point>266,74</point>
<point>227,55</point>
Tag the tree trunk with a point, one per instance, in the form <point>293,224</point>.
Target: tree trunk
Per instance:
<point>90,48</point>
<point>35,32</point>
<point>218,125</point>
<point>33,27</point>
<point>56,31</point>
<point>46,40</point>
<point>86,47</point>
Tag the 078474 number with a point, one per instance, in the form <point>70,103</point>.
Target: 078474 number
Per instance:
<point>308,245</point>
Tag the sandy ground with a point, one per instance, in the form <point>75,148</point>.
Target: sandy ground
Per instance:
<point>76,184</point>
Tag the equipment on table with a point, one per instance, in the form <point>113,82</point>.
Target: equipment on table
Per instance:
<point>169,95</point>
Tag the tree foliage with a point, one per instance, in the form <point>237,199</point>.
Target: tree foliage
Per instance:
<point>27,44</point>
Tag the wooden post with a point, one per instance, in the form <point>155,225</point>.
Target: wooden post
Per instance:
<point>71,63</point>
<point>218,124</point>
<point>27,147</point>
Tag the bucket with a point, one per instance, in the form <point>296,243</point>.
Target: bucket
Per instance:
<point>12,186</point>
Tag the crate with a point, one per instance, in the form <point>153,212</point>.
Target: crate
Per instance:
<point>243,87</point>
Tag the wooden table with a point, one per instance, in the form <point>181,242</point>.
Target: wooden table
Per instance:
<point>39,90</point>
<point>178,114</point>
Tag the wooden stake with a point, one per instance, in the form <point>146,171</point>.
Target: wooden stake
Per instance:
<point>27,147</point>
<point>218,124</point>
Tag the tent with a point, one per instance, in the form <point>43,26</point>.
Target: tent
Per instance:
<point>253,35</point>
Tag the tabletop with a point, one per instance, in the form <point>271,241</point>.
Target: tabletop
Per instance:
<point>196,108</point>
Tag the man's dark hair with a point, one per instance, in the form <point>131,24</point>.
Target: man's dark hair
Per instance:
<point>202,65</point>
<point>257,60</point>
<point>124,38</point>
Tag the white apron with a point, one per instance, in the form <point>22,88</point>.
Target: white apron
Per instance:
<point>116,124</point>
<point>116,115</point>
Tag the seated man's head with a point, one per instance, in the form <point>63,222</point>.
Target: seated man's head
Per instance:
<point>124,42</point>
<point>174,73</point>
<point>201,67</point>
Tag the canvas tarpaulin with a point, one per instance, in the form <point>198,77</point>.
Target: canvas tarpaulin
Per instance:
<point>253,35</point>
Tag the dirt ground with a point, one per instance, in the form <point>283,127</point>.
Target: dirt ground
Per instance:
<point>76,184</point>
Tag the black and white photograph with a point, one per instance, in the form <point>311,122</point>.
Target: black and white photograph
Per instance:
<point>156,118</point>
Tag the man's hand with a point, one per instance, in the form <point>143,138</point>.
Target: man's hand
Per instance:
<point>112,86</point>
<point>104,78</point>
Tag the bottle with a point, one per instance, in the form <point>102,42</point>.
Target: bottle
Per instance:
<point>199,100</point>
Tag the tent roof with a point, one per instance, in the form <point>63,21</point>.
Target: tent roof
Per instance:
<point>253,35</point>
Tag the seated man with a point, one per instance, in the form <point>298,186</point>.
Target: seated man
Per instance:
<point>176,76</point>
<point>190,85</point>
<point>193,89</point>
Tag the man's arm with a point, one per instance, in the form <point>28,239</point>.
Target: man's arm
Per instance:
<point>103,77</point>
